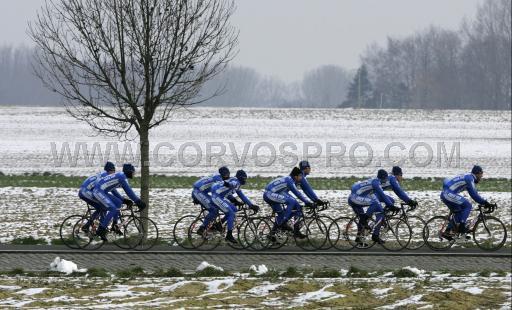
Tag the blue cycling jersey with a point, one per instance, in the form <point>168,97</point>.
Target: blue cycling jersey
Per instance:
<point>393,184</point>
<point>110,182</point>
<point>204,184</point>
<point>284,185</point>
<point>307,189</point>
<point>461,183</point>
<point>228,188</point>
<point>369,187</point>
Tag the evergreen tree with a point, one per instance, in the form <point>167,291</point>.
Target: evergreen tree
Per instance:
<point>360,91</point>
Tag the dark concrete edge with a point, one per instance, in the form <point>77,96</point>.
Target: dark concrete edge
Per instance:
<point>265,253</point>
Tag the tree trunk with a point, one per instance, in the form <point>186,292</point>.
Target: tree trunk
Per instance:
<point>144,168</point>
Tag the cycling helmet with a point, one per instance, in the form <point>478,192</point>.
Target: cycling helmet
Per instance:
<point>295,172</point>
<point>382,174</point>
<point>303,165</point>
<point>396,170</point>
<point>109,166</point>
<point>477,169</point>
<point>128,170</point>
<point>224,172</point>
<point>241,176</point>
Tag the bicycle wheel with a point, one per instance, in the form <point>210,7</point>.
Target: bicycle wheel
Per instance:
<point>317,234</point>
<point>209,240</point>
<point>180,231</point>
<point>124,236</point>
<point>66,231</point>
<point>489,233</point>
<point>359,240</point>
<point>417,224</point>
<point>257,234</point>
<point>396,234</point>
<point>327,221</point>
<point>238,232</point>
<point>86,240</point>
<point>339,234</point>
<point>432,234</point>
<point>150,234</point>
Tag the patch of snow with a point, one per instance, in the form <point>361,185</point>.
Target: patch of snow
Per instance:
<point>9,287</point>
<point>259,270</point>
<point>474,290</point>
<point>343,272</point>
<point>213,287</point>
<point>317,295</point>
<point>174,286</point>
<point>205,265</point>
<point>381,291</point>
<point>415,270</point>
<point>116,294</point>
<point>411,300</point>
<point>65,266</point>
<point>264,289</point>
<point>32,291</point>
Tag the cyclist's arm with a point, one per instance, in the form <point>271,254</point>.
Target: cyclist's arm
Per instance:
<point>244,198</point>
<point>472,190</point>
<point>398,190</point>
<point>380,193</point>
<point>295,191</point>
<point>128,190</point>
<point>307,189</point>
<point>116,193</point>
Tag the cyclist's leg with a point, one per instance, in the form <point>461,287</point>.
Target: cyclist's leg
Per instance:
<point>88,198</point>
<point>228,209</point>
<point>460,207</point>
<point>376,208</point>
<point>206,201</point>
<point>357,203</point>
<point>111,203</point>
<point>276,207</point>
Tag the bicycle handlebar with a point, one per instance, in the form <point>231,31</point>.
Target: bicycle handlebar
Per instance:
<point>489,208</point>
<point>409,209</point>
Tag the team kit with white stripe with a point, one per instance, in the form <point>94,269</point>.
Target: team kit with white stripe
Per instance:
<point>217,193</point>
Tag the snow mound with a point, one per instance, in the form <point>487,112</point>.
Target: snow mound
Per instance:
<point>415,270</point>
<point>259,270</point>
<point>32,291</point>
<point>474,290</point>
<point>205,265</point>
<point>65,266</point>
<point>264,289</point>
<point>381,291</point>
<point>343,272</point>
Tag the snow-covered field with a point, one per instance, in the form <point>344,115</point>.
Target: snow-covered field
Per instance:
<point>38,212</point>
<point>484,137</point>
<point>242,291</point>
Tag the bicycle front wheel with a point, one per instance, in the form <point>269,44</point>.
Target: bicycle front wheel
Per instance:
<point>339,234</point>
<point>180,231</point>
<point>317,233</point>
<point>417,224</point>
<point>396,234</point>
<point>433,231</point>
<point>66,232</point>
<point>149,232</point>
<point>490,233</point>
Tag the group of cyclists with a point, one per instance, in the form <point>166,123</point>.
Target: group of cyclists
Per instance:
<point>219,192</point>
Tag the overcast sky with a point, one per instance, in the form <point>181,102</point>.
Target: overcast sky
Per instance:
<point>285,38</point>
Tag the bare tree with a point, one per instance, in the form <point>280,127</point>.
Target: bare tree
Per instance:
<point>123,64</point>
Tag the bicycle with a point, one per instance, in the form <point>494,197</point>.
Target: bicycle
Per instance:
<point>129,231</point>
<point>488,232</point>
<point>311,225</point>
<point>213,234</point>
<point>66,227</point>
<point>416,224</point>
<point>395,232</point>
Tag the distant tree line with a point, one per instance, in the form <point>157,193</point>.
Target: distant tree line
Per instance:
<point>437,68</point>
<point>431,69</point>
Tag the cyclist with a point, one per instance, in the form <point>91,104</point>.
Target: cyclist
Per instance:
<point>85,193</point>
<point>101,193</point>
<point>277,193</point>
<point>393,183</point>
<point>369,194</point>
<point>305,169</point>
<point>201,194</point>
<point>460,206</point>
<point>222,197</point>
